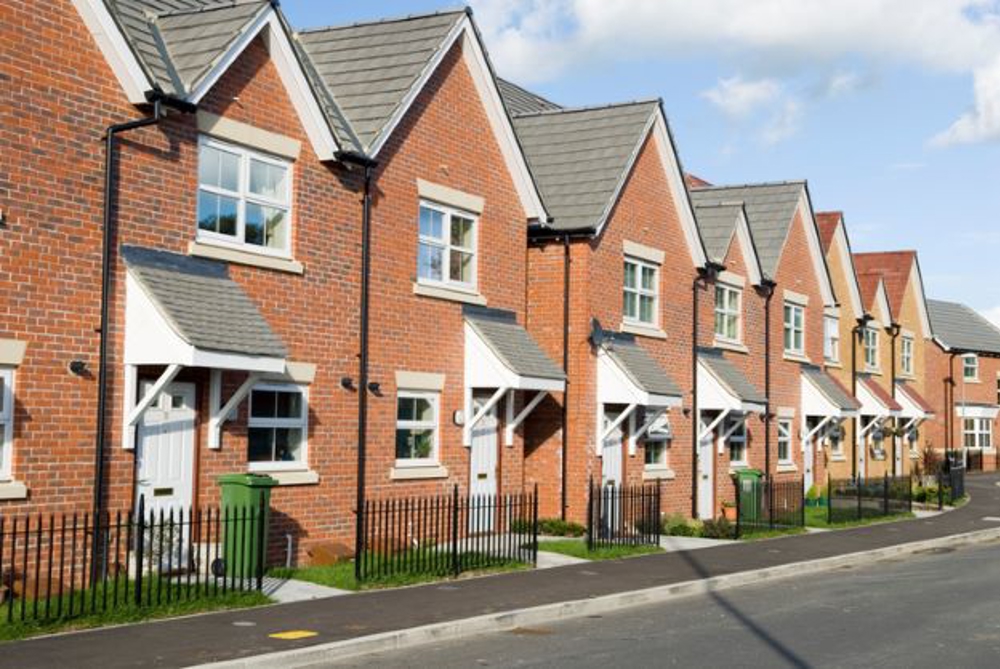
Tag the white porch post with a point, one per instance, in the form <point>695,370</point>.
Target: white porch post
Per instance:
<point>130,389</point>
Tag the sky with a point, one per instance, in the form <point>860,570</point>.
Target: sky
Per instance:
<point>890,108</point>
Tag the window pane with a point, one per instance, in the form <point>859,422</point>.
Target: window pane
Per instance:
<point>629,305</point>
<point>720,324</point>
<point>208,166</point>
<point>289,405</point>
<point>217,213</point>
<point>229,171</point>
<point>460,268</point>
<point>411,444</point>
<point>263,404</point>
<point>430,260</point>
<point>648,278</point>
<point>656,453</point>
<point>431,223</point>
<point>732,326</point>
<point>265,226</point>
<point>3,396</point>
<point>287,444</point>
<point>630,270</point>
<point>423,410</point>
<point>646,304</point>
<point>260,442</point>
<point>405,409</point>
<point>461,232</point>
<point>267,180</point>
<point>733,299</point>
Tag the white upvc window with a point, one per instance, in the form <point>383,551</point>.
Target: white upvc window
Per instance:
<point>417,427</point>
<point>906,355</point>
<point>244,198</point>
<point>277,427</point>
<point>737,440</point>
<point>658,440</point>
<point>640,292</point>
<point>834,437</point>
<point>977,433</point>
<point>831,339</point>
<point>870,347</point>
<point>6,421</point>
<point>795,316</point>
<point>728,324</point>
<point>784,441</point>
<point>446,253</point>
<point>970,368</point>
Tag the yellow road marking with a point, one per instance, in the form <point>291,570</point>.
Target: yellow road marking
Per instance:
<point>292,635</point>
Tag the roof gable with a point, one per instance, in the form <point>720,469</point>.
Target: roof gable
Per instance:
<point>522,101</point>
<point>720,227</point>
<point>900,272</point>
<point>831,225</point>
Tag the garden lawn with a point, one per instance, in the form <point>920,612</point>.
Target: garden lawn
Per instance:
<point>816,516</point>
<point>578,549</point>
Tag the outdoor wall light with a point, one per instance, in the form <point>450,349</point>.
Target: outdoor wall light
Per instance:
<point>375,388</point>
<point>458,417</point>
<point>347,383</point>
<point>78,367</point>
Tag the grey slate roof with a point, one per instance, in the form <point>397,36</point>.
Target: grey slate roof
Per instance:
<point>579,157</point>
<point>770,209</point>
<point>178,41</point>
<point>639,366</point>
<point>831,388</point>
<point>203,305</point>
<point>512,343</point>
<point>730,377</point>
<point>369,68</point>
<point>717,225</point>
<point>522,101</point>
<point>962,328</point>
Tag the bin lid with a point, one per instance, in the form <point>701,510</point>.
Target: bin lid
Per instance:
<point>749,473</point>
<point>248,480</point>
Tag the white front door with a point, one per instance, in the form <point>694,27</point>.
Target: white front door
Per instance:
<point>808,463</point>
<point>611,451</point>
<point>483,467</point>
<point>898,450</point>
<point>706,478</point>
<point>165,451</point>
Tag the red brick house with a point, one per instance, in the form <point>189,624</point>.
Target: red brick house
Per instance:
<point>609,283</point>
<point>235,267</point>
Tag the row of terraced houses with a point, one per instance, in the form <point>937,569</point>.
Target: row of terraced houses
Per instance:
<point>226,243</point>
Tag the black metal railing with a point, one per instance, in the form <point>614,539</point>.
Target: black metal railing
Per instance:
<point>973,461</point>
<point>446,534</point>
<point>623,516</point>
<point>857,499</point>
<point>951,483</point>
<point>64,566</point>
<point>768,505</point>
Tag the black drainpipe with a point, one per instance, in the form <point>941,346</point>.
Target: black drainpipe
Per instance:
<point>767,286</point>
<point>894,330</point>
<point>564,488</point>
<point>107,244</point>
<point>857,340</point>
<point>949,439</point>
<point>705,275</point>
<point>368,165</point>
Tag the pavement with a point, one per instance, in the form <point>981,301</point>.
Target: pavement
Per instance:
<point>928,611</point>
<point>232,635</point>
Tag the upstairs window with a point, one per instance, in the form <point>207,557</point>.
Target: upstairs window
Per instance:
<point>640,292</point>
<point>906,355</point>
<point>277,427</point>
<point>970,368</point>
<point>870,346</point>
<point>446,252</point>
<point>795,329</point>
<point>244,198</point>
<point>727,313</point>
<point>6,421</point>
<point>831,339</point>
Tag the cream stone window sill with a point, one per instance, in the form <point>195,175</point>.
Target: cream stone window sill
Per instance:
<point>838,458</point>
<point>730,346</point>
<point>13,490</point>
<point>797,357</point>
<point>643,330</point>
<point>418,473</point>
<point>240,257</point>
<point>785,467</point>
<point>832,365</point>
<point>292,477</point>
<point>448,293</point>
<point>658,474</point>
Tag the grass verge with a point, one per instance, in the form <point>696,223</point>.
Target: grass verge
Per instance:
<point>816,516</point>
<point>578,549</point>
<point>771,534</point>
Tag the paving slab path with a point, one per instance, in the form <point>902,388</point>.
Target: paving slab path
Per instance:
<point>234,634</point>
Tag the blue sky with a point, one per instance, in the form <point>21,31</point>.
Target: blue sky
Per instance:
<point>890,108</point>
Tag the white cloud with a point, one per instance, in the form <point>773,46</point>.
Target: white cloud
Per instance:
<point>784,124</point>
<point>842,83</point>
<point>738,98</point>
<point>993,315</point>
<point>534,40</point>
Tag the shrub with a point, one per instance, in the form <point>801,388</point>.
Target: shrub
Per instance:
<point>557,527</point>
<point>718,529</point>
<point>813,493</point>
<point>678,526</point>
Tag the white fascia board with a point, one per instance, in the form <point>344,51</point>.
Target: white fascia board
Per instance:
<point>847,263</point>
<point>151,340</point>
<point>882,302</point>
<point>969,411</point>
<point>749,249</point>
<point>290,71</point>
<point>917,285</point>
<point>910,408</point>
<point>115,49</point>
<point>713,395</point>
<point>678,190</point>
<point>485,369</point>
<point>816,249</point>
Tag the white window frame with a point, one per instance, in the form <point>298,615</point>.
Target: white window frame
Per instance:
<point>870,345</point>
<point>836,445</point>
<point>638,292</point>
<point>445,244</point>
<point>981,431</point>
<point>737,436</point>
<point>656,436</point>
<point>970,363</point>
<point>6,423</point>
<point>831,339</point>
<point>434,397</point>
<point>790,327</point>
<point>906,355</point>
<point>727,313</point>
<point>243,196</point>
<point>301,422</point>
<point>785,436</point>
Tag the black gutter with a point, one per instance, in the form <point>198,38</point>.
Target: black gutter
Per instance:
<point>767,287</point>
<point>564,488</point>
<point>705,275</point>
<point>893,331</point>
<point>368,165</point>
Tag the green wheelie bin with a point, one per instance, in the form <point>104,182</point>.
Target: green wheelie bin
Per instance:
<point>245,498</point>
<point>748,483</point>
